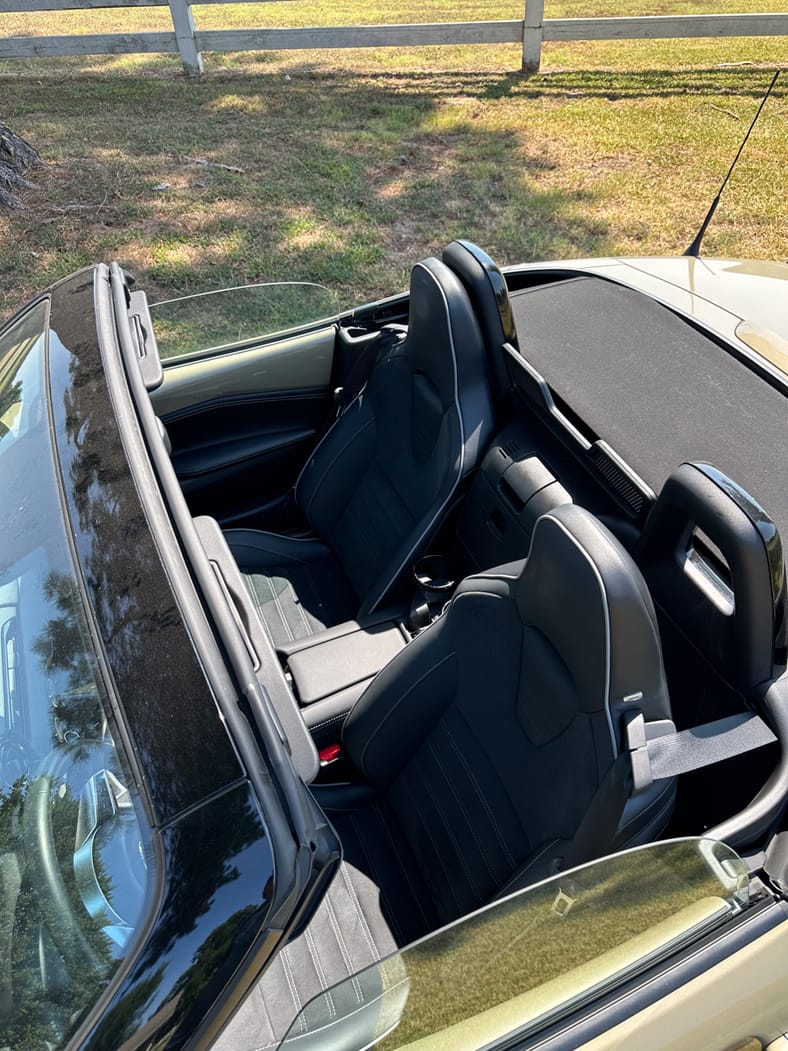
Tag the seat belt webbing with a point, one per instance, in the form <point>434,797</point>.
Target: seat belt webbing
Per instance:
<point>657,759</point>
<point>670,755</point>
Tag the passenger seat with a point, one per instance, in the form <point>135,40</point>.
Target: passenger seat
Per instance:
<point>487,754</point>
<point>378,484</point>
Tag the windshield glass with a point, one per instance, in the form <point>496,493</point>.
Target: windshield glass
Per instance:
<point>527,960</point>
<point>229,317</point>
<point>72,867</point>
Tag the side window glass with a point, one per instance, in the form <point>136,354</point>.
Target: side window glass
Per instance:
<point>231,318</point>
<point>526,961</point>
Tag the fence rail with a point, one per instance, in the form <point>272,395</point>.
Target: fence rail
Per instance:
<point>530,32</point>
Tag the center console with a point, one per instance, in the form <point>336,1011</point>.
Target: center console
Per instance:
<point>329,671</point>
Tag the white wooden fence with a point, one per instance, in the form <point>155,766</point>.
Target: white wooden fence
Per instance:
<point>530,31</point>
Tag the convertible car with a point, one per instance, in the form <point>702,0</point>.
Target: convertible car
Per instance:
<point>412,676</point>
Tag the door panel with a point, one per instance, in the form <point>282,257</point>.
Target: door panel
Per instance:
<point>242,423</point>
<point>300,361</point>
<point>237,458</point>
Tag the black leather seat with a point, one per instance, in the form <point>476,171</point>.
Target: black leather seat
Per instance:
<point>377,485</point>
<point>484,748</point>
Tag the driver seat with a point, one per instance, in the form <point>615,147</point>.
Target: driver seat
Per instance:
<point>378,484</point>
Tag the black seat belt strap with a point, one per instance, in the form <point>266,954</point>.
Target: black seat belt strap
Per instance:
<point>656,758</point>
<point>669,755</point>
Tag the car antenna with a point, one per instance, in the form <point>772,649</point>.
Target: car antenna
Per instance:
<point>694,248</point>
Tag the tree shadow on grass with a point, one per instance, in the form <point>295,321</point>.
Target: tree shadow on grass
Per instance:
<point>347,180</point>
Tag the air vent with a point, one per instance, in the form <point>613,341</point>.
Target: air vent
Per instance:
<point>512,448</point>
<point>617,479</point>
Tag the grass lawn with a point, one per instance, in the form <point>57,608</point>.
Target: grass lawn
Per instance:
<point>356,163</point>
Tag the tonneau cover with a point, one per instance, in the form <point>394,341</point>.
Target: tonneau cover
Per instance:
<point>656,389</point>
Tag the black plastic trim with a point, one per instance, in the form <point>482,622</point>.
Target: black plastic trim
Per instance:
<point>631,492</point>
<point>762,522</point>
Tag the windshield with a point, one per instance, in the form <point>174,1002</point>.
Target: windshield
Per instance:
<point>523,962</point>
<point>229,317</point>
<point>72,867</point>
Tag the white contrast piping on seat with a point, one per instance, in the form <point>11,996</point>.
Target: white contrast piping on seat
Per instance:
<point>370,606</point>
<point>324,438</point>
<point>600,582</point>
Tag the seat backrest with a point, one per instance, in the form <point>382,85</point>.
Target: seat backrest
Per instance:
<point>379,482</point>
<point>493,730</point>
<point>714,563</point>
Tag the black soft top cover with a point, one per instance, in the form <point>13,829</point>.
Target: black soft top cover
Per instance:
<point>654,387</point>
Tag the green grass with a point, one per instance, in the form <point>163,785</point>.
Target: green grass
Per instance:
<point>357,163</point>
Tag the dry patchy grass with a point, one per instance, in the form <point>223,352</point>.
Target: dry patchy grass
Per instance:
<point>356,163</point>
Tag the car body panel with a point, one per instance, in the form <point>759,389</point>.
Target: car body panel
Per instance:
<point>211,917</point>
<point>136,616</point>
<point>740,998</point>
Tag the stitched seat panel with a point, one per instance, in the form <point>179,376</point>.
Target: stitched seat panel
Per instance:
<point>294,602</point>
<point>297,586</point>
<point>346,934</point>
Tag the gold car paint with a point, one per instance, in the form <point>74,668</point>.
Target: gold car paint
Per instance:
<point>294,363</point>
<point>765,342</point>
<point>716,1011</point>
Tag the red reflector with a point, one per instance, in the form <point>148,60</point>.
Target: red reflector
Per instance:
<point>330,753</point>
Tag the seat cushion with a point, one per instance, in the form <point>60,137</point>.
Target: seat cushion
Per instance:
<point>297,586</point>
<point>374,844</point>
<point>346,934</point>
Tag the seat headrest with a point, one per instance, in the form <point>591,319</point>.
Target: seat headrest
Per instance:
<point>584,593</point>
<point>443,342</point>
<point>487,289</point>
<point>714,562</point>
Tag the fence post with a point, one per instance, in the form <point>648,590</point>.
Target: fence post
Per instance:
<point>183,23</point>
<point>532,35</point>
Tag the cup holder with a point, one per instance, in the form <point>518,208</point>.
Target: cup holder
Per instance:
<point>434,575</point>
